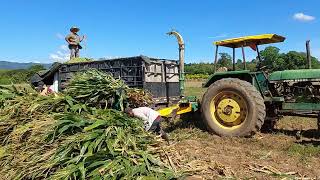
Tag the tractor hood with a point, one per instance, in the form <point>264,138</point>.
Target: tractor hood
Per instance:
<point>292,75</point>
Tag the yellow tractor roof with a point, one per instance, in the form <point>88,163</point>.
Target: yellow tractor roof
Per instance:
<point>250,40</point>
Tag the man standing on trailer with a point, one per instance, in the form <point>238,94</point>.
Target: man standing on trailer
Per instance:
<point>74,41</point>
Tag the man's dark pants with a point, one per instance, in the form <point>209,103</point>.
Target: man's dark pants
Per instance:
<point>156,127</point>
<point>74,51</point>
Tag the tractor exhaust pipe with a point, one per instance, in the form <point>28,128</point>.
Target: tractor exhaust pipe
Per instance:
<point>181,59</point>
<point>308,54</point>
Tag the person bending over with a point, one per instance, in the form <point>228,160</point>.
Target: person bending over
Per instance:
<point>151,119</point>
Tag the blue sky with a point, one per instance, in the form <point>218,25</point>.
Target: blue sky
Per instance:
<point>33,30</point>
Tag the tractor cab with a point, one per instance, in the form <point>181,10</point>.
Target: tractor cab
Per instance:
<point>252,42</point>
<point>248,41</point>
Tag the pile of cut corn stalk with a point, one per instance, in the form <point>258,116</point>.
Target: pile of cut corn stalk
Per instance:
<point>101,90</point>
<point>74,136</point>
<point>78,60</point>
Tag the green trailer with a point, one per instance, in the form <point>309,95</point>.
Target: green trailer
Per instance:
<point>239,103</point>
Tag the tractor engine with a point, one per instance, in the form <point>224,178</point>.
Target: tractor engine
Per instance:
<point>297,91</point>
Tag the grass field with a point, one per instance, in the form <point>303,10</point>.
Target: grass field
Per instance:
<point>274,155</point>
<point>194,88</point>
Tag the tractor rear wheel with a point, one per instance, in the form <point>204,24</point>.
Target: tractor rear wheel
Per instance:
<point>232,107</point>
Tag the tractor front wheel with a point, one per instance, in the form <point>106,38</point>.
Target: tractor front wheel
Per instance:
<point>232,107</point>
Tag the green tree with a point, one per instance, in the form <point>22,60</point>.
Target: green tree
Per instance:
<point>294,60</point>
<point>276,61</point>
<point>272,58</point>
<point>36,68</point>
<point>315,64</point>
<point>199,68</point>
<point>298,60</point>
<point>239,61</point>
<point>239,64</point>
<point>225,60</point>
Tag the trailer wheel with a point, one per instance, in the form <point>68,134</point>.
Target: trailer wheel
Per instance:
<point>232,107</point>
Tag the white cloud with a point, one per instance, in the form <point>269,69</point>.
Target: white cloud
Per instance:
<point>59,36</point>
<point>303,17</point>
<point>64,47</point>
<point>62,55</point>
<point>54,56</point>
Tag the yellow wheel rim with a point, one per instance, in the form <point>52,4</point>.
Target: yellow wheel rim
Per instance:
<point>228,109</point>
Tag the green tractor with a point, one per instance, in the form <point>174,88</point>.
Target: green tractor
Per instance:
<point>239,103</point>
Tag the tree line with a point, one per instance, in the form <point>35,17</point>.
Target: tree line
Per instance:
<point>271,58</point>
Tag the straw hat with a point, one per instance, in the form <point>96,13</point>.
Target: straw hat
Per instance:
<point>74,28</point>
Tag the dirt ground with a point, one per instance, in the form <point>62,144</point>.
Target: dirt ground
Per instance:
<point>280,154</point>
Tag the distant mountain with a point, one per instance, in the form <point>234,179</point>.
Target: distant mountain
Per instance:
<point>16,65</point>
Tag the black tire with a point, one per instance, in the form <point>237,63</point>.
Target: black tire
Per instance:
<point>254,107</point>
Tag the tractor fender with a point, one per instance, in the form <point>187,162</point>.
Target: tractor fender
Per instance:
<point>242,75</point>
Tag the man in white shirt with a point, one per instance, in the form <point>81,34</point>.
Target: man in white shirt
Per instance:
<point>151,119</point>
